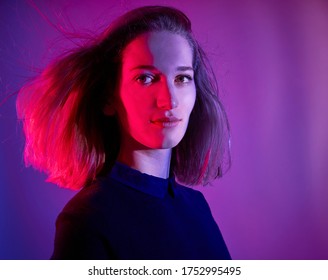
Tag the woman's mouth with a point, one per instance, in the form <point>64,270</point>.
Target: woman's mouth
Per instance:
<point>166,122</point>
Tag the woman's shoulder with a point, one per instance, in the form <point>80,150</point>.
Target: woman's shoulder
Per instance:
<point>80,225</point>
<point>190,193</point>
<point>187,190</point>
<point>90,200</point>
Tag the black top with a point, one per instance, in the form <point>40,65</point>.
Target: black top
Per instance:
<point>132,215</point>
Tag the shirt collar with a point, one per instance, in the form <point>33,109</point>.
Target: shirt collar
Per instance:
<point>143,182</point>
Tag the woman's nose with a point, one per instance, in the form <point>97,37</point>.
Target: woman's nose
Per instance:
<point>166,98</point>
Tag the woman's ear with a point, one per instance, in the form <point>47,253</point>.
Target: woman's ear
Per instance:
<point>109,109</point>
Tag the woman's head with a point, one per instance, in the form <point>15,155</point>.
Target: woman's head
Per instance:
<point>75,113</point>
<point>156,91</point>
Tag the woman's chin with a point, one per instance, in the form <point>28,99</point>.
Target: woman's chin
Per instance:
<point>167,144</point>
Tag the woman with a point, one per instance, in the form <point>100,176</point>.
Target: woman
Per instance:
<point>120,118</point>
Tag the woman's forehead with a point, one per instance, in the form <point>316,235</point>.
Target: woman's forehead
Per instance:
<point>160,49</point>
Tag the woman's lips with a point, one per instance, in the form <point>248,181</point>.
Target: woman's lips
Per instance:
<point>166,122</point>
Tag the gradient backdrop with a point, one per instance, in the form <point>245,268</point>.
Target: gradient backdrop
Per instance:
<point>271,61</point>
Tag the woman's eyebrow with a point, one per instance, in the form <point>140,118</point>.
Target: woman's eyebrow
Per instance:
<point>185,68</point>
<point>151,67</point>
<point>146,67</point>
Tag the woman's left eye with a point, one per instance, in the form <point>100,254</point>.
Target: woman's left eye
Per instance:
<point>183,79</point>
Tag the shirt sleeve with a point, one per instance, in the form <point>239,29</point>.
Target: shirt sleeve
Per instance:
<point>225,254</point>
<point>79,238</point>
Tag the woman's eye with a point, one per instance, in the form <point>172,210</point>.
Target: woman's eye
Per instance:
<point>145,79</point>
<point>183,79</point>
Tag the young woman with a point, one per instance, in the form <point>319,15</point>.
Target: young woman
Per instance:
<point>123,117</point>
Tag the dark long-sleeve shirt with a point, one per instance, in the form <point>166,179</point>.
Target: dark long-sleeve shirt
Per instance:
<point>132,215</point>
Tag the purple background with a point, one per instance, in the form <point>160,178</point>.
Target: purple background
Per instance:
<point>271,61</point>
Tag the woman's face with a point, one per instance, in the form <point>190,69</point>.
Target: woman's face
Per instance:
<point>157,91</point>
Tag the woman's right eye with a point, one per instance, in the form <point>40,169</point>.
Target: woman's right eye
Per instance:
<point>145,79</point>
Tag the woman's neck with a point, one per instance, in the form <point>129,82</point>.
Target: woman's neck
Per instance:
<point>155,162</point>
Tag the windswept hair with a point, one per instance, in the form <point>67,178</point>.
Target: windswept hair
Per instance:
<point>70,138</point>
